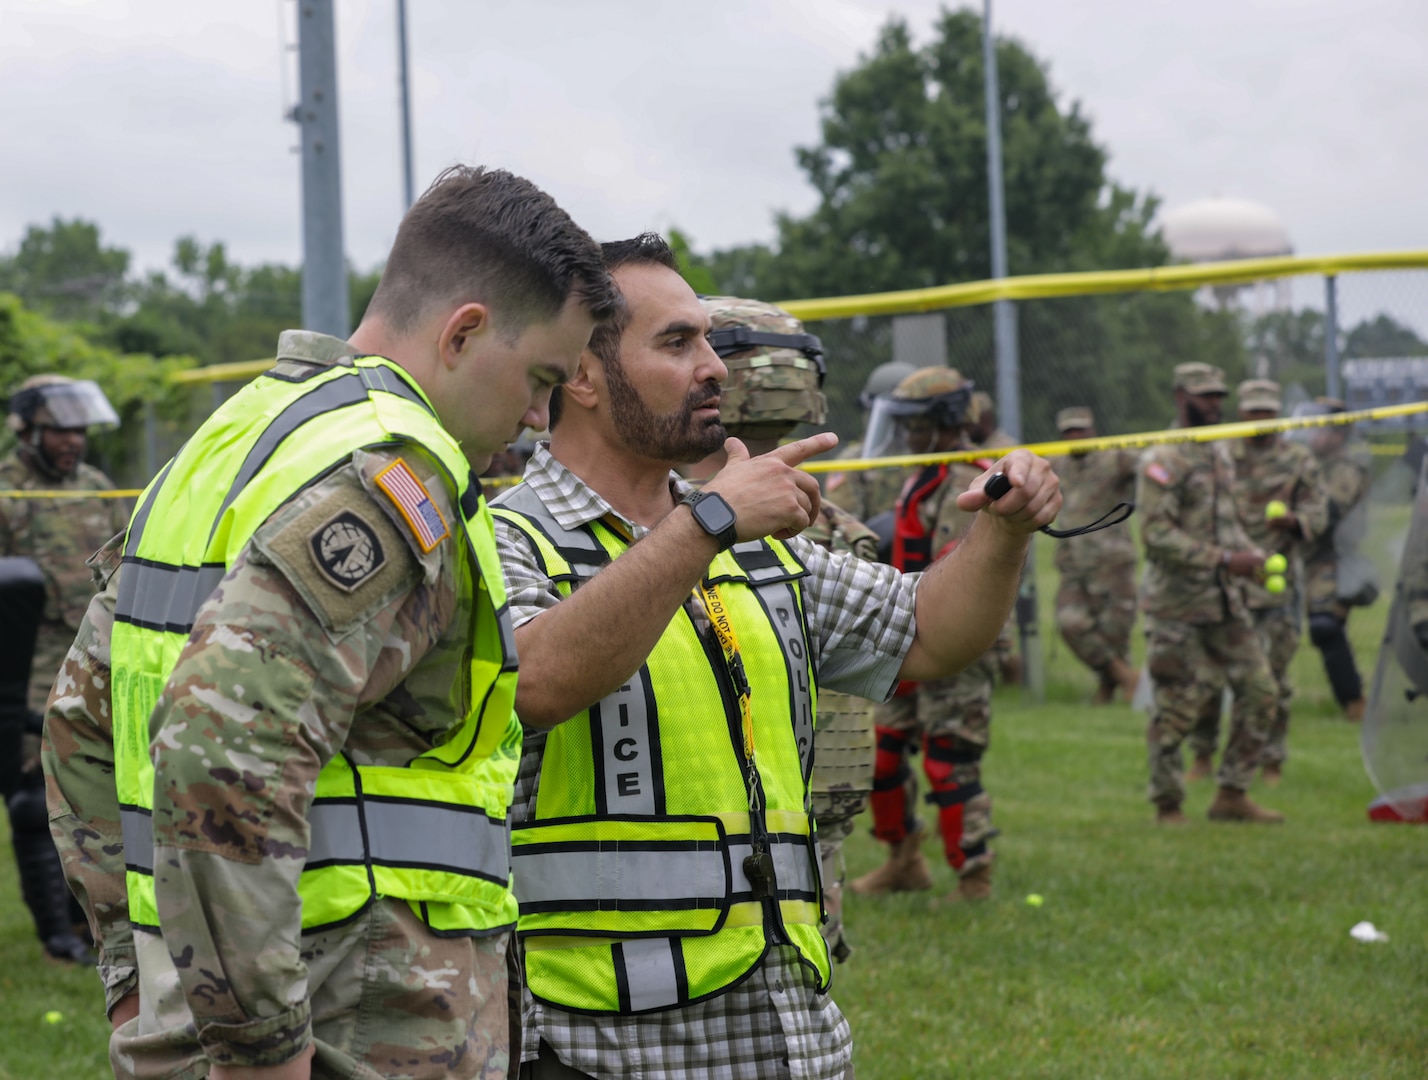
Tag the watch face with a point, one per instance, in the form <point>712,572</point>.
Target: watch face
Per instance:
<point>714,514</point>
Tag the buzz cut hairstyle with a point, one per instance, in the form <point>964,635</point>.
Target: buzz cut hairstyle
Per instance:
<point>489,236</point>
<point>647,249</point>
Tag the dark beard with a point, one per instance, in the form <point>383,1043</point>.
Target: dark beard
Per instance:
<point>1196,417</point>
<point>676,438</point>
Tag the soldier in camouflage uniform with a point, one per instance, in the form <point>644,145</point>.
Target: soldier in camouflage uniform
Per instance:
<point>867,493</point>
<point>1269,469</point>
<point>768,393</point>
<point>984,429</point>
<point>951,716</point>
<point>1344,472</point>
<point>1199,634</point>
<point>306,651</point>
<point>51,416</point>
<point>1095,602</point>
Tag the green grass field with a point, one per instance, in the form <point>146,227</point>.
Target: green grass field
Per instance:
<point>1206,951</point>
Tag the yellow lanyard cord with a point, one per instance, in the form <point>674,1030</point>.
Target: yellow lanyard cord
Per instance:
<point>729,642</point>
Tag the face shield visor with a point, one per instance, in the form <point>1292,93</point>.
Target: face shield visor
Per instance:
<point>891,420</point>
<point>65,405</point>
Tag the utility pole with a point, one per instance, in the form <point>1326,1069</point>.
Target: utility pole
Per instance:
<point>406,104</point>
<point>1028,617</point>
<point>1331,336</point>
<point>325,306</point>
<point>1008,374</point>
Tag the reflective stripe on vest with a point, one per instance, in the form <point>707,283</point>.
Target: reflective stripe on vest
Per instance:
<point>433,832</point>
<point>633,890</point>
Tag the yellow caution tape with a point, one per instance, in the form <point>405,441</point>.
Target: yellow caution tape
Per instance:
<point>44,493</point>
<point>1152,279</point>
<point>1242,429</point>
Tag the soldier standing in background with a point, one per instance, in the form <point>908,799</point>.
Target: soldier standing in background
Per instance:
<point>952,716</point>
<point>1282,507</point>
<point>1095,602</point>
<point>866,493</point>
<point>983,430</point>
<point>1198,631</point>
<point>1344,470</point>
<point>772,387</point>
<point>51,416</point>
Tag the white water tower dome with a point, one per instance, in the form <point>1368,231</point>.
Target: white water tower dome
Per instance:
<point>1209,230</point>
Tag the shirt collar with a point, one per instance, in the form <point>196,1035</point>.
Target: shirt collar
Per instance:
<point>573,502</point>
<point>311,347</point>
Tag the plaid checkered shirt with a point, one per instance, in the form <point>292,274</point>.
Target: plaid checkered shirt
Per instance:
<point>775,1023</point>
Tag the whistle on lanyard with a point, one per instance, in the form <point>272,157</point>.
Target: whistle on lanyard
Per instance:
<point>998,485</point>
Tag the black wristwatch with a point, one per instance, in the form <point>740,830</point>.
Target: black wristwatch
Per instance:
<point>714,515</point>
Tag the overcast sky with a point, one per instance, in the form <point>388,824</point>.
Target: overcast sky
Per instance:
<point>163,117</point>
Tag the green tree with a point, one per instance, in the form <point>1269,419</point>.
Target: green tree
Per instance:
<point>901,177</point>
<point>1383,335</point>
<point>65,269</point>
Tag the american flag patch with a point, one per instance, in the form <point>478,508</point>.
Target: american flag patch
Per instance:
<point>1156,471</point>
<point>414,501</point>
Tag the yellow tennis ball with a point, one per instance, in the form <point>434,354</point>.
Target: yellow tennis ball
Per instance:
<point>1274,583</point>
<point>1275,509</point>
<point>1035,899</point>
<point>54,1016</point>
<point>1276,564</point>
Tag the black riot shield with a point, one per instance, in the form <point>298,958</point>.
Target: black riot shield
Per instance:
<point>1395,730</point>
<point>22,603</point>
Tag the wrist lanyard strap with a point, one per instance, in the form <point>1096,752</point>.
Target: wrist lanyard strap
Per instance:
<point>734,661</point>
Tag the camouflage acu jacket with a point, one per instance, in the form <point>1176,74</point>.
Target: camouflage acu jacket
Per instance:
<point>837,530</point>
<point>281,672</point>
<point>1346,480</point>
<point>865,493</point>
<point>1188,520</point>
<point>1288,472</point>
<point>59,534</point>
<point>1091,484</point>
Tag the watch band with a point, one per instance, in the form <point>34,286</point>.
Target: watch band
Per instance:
<point>705,506</point>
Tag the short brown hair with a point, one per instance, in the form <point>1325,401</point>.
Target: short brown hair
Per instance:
<point>488,235</point>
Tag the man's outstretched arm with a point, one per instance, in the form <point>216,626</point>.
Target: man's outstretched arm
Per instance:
<point>964,599</point>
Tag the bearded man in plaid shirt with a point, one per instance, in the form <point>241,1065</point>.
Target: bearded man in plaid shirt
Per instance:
<point>671,642</point>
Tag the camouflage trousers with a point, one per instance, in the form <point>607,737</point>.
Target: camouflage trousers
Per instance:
<point>1188,664</point>
<point>388,1000</point>
<point>1095,611</point>
<point>843,748</point>
<point>834,812</point>
<point>1278,630</point>
<point>953,719</point>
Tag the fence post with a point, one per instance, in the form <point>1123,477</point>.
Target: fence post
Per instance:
<point>1331,335</point>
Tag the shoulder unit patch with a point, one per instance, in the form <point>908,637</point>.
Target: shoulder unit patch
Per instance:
<point>346,549</point>
<point>414,502</point>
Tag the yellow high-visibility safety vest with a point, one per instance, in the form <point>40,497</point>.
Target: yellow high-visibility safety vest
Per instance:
<point>631,867</point>
<point>433,833</point>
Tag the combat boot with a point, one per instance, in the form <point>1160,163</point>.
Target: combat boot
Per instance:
<point>1271,773</point>
<point>905,871</point>
<point>976,885</point>
<point>1354,711</point>
<point>1232,805</point>
<point>1167,812</point>
<point>1202,768</point>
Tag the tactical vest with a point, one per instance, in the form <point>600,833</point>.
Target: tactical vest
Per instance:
<point>632,869</point>
<point>912,542</point>
<point>433,832</point>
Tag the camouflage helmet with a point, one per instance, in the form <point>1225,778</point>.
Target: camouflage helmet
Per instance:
<point>59,401</point>
<point>883,379</point>
<point>775,369</point>
<point>942,394</point>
